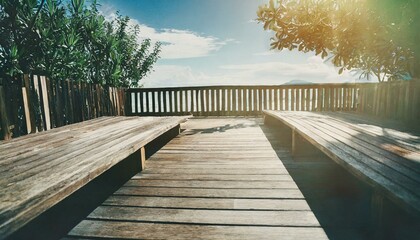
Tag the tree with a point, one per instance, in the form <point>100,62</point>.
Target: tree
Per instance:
<point>354,34</point>
<point>72,41</point>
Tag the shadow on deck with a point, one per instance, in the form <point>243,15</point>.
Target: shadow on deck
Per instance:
<point>340,202</point>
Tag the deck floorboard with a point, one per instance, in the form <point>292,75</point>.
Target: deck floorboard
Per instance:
<point>219,179</point>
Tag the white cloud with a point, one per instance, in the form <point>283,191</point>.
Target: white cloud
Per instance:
<point>266,53</point>
<point>182,43</point>
<point>270,73</point>
<point>314,70</point>
<point>176,43</point>
<point>174,76</point>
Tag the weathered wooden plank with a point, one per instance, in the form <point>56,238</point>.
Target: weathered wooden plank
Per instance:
<point>217,171</point>
<point>367,152</point>
<point>381,149</point>
<point>219,177</point>
<point>221,217</point>
<point>48,146</point>
<point>211,193</point>
<point>140,230</point>
<point>211,184</point>
<point>209,203</point>
<point>57,159</point>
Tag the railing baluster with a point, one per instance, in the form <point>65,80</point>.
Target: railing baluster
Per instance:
<point>244,100</point>
<point>171,101</point>
<point>139,104</point>
<point>147,107</point>
<point>164,106</point>
<point>195,101</point>
<point>240,103</point>
<point>192,99</point>
<point>260,99</point>
<point>234,100</point>
<point>293,100</point>
<point>136,99</point>
<point>320,99</point>
<point>216,101</point>
<point>229,102</point>
<point>254,100</point>
<point>207,99</point>
<point>202,101</point>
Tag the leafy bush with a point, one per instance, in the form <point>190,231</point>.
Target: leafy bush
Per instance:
<point>72,41</point>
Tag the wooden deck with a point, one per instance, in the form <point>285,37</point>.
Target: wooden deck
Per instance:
<point>219,179</point>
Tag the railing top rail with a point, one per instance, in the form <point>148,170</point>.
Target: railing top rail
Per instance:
<point>315,85</point>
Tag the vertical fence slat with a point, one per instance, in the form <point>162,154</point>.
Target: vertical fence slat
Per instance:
<point>240,102</point>
<point>197,101</point>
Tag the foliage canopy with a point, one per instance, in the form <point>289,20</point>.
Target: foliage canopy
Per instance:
<point>375,37</point>
<point>72,41</point>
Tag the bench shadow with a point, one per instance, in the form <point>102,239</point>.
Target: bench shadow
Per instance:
<point>223,128</point>
<point>340,201</point>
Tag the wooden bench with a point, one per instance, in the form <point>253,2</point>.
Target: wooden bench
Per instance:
<point>387,159</point>
<point>40,170</point>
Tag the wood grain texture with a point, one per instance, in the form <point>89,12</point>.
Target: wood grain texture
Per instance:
<point>385,158</point>
<point>40,170</point>
<point>219,179</point>
<point>138,230</point>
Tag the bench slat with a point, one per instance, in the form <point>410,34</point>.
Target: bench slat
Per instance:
<point>367,150</point>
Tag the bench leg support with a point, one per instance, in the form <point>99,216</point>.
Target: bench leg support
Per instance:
<point>376,214</point>
<point>142,158</point>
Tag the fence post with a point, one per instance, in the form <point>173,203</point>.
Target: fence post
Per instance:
<point>5,128</point>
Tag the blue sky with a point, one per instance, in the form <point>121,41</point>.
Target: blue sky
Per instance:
<point>216,42</point>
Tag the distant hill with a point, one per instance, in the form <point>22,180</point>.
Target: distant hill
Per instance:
<point>297,82</point>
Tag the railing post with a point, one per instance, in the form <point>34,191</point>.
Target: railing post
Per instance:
<point>5,128</point>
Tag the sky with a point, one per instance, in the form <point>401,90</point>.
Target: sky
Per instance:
<point>217,42</point>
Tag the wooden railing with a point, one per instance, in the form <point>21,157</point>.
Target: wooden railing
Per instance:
<point>391,100</point>
<point>240,100</point>
<point>35,103</point>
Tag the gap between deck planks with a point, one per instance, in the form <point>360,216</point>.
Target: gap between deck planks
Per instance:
<point>219,179</point>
